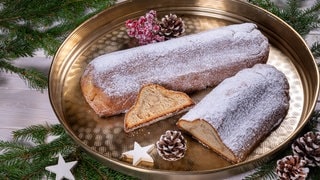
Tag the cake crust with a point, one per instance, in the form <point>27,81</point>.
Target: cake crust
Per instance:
<point>240,112</point>
<point>111,82</point>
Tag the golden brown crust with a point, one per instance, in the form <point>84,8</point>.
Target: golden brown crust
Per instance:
<point>102,104</point>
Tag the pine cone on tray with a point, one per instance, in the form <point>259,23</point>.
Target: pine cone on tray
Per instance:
<point>292,167</point>
<point>171,26</point>
<point>308,148</point>
<point>171,146</point>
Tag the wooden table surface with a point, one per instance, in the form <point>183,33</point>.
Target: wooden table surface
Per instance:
<point>21,106</point>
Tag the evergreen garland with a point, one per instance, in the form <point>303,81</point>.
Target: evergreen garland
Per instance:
<point>29,25</point>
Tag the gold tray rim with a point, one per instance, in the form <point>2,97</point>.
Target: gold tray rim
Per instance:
<point>233,169</point>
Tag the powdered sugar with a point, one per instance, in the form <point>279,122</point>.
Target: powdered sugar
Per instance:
<point>159,62</point>
<point>245,108</point>
<point>186,64</point>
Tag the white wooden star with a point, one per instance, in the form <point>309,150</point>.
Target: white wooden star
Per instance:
<point>139,154</point>
<point>62,169</point>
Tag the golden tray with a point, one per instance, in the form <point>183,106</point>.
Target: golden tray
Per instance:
<point>105,138</point>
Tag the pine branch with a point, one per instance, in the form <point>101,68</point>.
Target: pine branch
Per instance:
<point>51,20</point>
<point>33,78</point>
<point>268,5</point>
<point>25,29</point>
<point>303,21</point>
<point>315,175</point>
<point>7,146</point>
<point>315,49</point>
<point>38,133</point>
<point>22,160</point>
<point>266,171</point>
<point>314,121</point>
<point>312,9</point>
<point>20,154</point>
<point>89,168</point>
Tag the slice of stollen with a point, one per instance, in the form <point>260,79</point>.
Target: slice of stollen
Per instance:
<point>155,103</point>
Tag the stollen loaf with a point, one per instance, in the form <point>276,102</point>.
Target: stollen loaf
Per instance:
<point>111,82</point>
<point>240,112</point>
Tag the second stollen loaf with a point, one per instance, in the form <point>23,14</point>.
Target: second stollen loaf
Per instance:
<point>240,112</point>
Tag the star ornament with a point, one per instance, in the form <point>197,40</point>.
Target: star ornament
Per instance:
<point>139,154</point>
<point>62,169</point>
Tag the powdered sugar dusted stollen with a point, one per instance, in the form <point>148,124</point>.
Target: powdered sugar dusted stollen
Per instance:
<point>240,112</point>
<point>111,82</point>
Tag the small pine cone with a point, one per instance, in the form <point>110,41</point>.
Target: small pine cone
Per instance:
<point>308,148</point>
<point>292,167</point>
<point>171,26</point>
<point>171,146</point>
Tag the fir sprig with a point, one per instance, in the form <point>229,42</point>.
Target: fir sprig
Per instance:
<point>33,78</point>
<point>302,20</point>
<point>315,175</point>
<point>316,49</point>
<point>38,133</point>
<point>29,25</point>
<point>265,171</point>
<point>28,154</point>
<point>314,121</point>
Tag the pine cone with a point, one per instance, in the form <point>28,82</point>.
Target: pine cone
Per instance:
<point>292,167</point>
<point>171,26</point>
<point>171,146</point>
<point>308,148</point>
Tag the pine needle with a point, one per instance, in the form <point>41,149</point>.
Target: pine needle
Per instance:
<point>25,29</point>
<point>22,160</point>
<point>302,20</point>
<point>88,167</point>
<point>265,171</point>
<point>33,78</point>
<point>314,120</point>
<point>315,175</point>
<point>315,49</point>
<point>36,133</point>
<point>11,146</point>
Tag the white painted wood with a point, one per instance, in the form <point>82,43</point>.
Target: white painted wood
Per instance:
<point>21,106</point>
